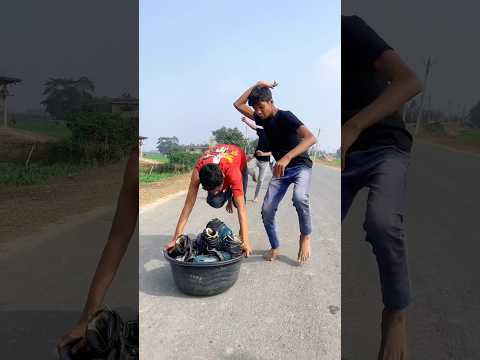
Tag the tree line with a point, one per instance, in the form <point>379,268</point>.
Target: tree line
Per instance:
<point>223,135</point>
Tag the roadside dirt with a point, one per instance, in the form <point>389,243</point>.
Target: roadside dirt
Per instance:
<point>472,146</point>
<point>328,163</point>
<point>29,209</point>
<point>18,136</point>
<point>150,193</point>
<point>148,161</point>
<point>16,144</point>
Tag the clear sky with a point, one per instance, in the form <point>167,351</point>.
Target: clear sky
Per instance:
<point>68,39</point>
<point>196,58</point>
<point>444,30</point>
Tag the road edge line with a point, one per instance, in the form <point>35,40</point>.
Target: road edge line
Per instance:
<point>447,148</point>
<point>151,206</point>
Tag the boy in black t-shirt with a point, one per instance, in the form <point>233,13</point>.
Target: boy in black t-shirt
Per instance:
<point>375,154</point>
<point>289,142</point>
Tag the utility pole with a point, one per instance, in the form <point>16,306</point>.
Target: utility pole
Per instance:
<point>316,146</point>
<point>422,100</point>
<point>449,108</point>
<point>3,103</point>
<point>464,115</point>
<point>430,118</point>
<point>4,93</point>
<point>246,138</point>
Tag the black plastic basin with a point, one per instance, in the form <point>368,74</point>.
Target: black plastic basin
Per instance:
<point>204,279</point>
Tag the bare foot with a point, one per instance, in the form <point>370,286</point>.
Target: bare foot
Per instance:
<point>394,336</point>
<point>271,254</point>
<point>304,249</point>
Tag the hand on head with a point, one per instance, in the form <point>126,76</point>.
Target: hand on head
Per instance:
<point>264,83</point>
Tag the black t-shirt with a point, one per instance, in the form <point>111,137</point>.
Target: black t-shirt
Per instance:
<point>361,47</point>
<point>281,131</point>
<point>262,145</point>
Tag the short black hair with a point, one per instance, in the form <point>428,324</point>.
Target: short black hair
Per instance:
<point>258,94</point>
<point>210,176</point>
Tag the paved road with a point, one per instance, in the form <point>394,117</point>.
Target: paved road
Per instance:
<point>44,285</point>
<point>275,311</point>
<point>444,250</point>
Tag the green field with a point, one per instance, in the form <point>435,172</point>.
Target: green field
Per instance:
<point>19,175</point>
<point>470,135</point>
<point>154,177</point>
<point>337,162</point>
<point>157,157</point>
<point>334,163</point>
<point>54,128</point>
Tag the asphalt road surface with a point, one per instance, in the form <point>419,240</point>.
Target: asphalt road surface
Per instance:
<point>444,248</point>
<point>44,284</point>
<point>276,310</point>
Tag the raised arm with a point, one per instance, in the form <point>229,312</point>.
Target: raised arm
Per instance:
<point>403,86</point>
<point>263,153</point>
<point>241,103</point>
<point>251,124</point>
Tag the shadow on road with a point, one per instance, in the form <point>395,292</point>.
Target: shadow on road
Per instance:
<point>33,334</point>
<point>240,356</point>
<point>443,251</point>
<point>257,256</point>
<point>155,276</point>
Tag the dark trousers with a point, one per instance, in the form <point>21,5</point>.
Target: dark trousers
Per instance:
<point>383,170</point>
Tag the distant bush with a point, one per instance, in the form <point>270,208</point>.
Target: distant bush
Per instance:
<point>433,129</point>
<point>178,162</point>
<point>63,152</point>
<point>104,128</point>
<point>186,159</point>
<point>96,137</point>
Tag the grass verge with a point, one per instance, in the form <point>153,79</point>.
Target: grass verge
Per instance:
<point>146,178</point>
<point>158,157</point>
<point>54,128</point>
<point>19,175</point>
<point>335,163</point>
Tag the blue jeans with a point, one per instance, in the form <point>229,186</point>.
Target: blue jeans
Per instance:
<point>300,176</point>
<point>383,170</point>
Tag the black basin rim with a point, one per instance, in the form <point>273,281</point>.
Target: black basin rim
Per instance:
<point>202,265</point>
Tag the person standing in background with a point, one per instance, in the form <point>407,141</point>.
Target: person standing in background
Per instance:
<point>262,156</point>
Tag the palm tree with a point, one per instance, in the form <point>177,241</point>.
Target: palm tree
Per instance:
<point>85,85</point>
<point>63,96</point>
